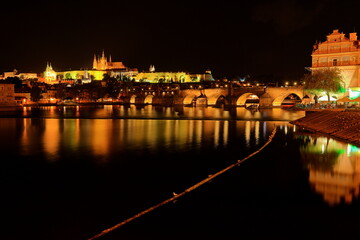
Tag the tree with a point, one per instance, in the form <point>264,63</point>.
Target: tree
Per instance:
<point>16,81</point>
<point>68,76</point>
<point>35,94</point>
<point>112,87</point>
<point>328,80</point>
<point>61,92</point>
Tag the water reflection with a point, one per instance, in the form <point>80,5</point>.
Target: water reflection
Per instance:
<point>56,138</point>
<point>154,112</point>
<point>334,168</point>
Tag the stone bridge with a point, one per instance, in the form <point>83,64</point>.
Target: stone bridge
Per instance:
<point>267,97</point>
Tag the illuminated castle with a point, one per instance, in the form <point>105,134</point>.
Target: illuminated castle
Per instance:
<point>102,63</point>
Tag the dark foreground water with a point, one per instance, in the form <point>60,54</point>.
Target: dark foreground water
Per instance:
<point>70,178</point>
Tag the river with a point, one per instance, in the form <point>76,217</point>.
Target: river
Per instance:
<point>70,172</point>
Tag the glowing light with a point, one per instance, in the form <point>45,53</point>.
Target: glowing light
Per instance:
<point>325,98</point>
<point>354,93</point>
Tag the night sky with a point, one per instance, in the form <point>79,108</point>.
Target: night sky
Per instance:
<point>232,38</point>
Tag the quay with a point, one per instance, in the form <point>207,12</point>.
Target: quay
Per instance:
<point>343,124</point>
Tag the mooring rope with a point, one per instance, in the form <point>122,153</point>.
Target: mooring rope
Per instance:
<point>176,196</point>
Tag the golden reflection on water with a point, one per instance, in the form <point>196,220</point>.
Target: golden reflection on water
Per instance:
<point>257,131</point>
<point>247,132</point>
<point>334,168</point>
<point>103,137</point>
<point>51,138</point>
<point>100,131</point>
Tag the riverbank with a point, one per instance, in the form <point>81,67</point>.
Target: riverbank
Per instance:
<point>344,125</point>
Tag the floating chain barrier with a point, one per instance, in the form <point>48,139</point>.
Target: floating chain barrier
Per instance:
<point>176,196</point>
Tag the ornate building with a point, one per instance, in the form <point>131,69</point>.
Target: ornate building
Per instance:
<point>50,76</point>
<point>343,53</point>
<point>102,63</point>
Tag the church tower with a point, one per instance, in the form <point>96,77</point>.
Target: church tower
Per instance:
<point>102,64</point>
<point>95,62</point>
<point>49,74</point>
<point>152,68</point>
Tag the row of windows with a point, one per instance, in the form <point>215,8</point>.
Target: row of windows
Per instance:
<point>344,58</point>
<point>6,88</point>
<point>6,99</point>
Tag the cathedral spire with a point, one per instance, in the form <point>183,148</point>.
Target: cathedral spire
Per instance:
<point>95,62</point>
<point>152,68</point>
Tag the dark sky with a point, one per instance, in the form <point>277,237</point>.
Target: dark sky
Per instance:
<point>229,37</point>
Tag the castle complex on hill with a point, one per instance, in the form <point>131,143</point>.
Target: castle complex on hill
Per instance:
<point>104,65</point>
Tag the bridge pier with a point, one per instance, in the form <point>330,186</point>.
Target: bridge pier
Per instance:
<point>265,101</point>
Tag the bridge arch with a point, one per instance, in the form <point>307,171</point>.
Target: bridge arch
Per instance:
<point>221,100</point>
<point>241,101</point>
<point>189,99</point>
<point>149,99</point>
<point>280,99</point>
<point>213,99</point>
<point>132,99</point>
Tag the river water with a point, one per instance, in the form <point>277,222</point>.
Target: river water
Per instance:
<point>70,172</point>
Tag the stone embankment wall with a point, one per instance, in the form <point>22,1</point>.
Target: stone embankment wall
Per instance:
<point>339,124</point>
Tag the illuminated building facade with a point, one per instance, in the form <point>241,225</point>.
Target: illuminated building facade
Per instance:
<point>50,76</point>
<point>167,77</point>
<point>343,53</point>
<point>102,63</point>
<point>84,75</point>
<point>7,94</point>
<point>22,76</point>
